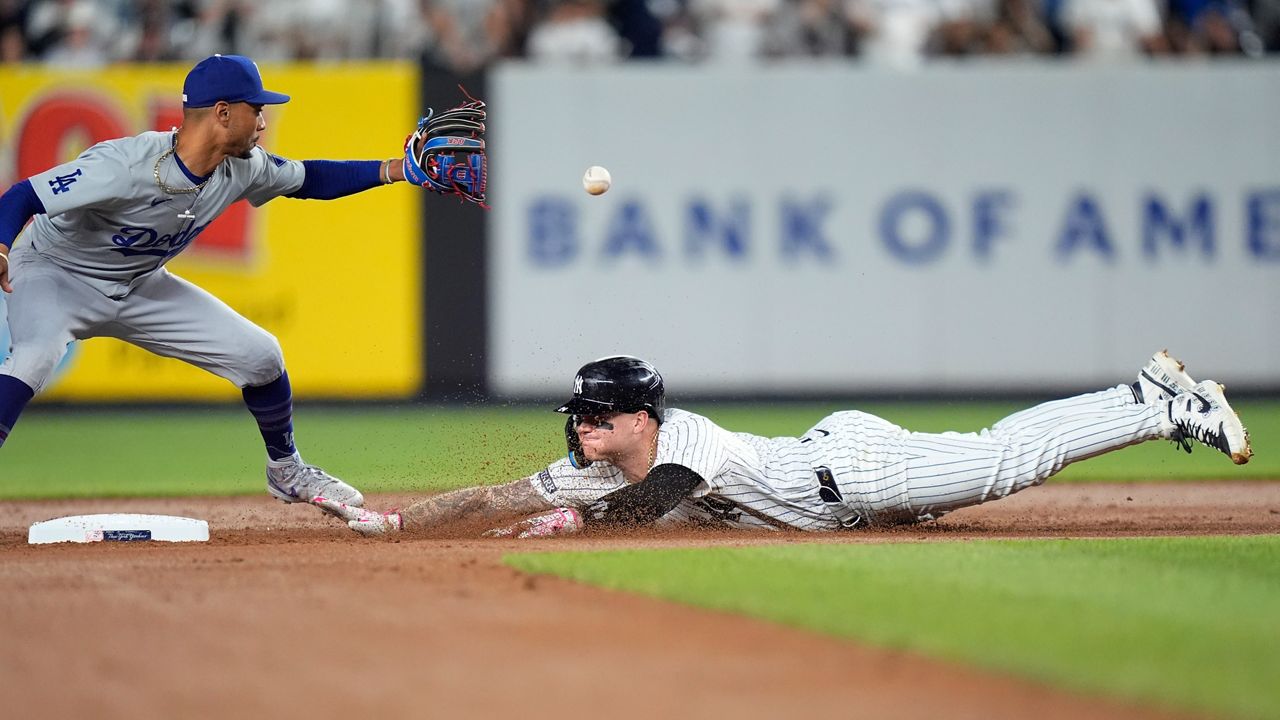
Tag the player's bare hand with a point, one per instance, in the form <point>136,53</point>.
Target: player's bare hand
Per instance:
<point>561,521</point>
<point>369,523</point>
<point>4,274</point>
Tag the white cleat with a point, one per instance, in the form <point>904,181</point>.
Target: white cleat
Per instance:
<point>1163,378</point>
<point>1203,414</point>
<point>293,481</point>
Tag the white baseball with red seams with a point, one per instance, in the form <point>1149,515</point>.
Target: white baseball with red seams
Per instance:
<point>596,180</point>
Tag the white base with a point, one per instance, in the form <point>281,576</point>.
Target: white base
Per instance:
<point>118,527</point>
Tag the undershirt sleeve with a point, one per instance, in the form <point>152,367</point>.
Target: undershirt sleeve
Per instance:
<point>329,179</point>
<point>18,204</point>
<point>642,503</point>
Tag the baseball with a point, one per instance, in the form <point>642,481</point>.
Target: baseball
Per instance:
<point>596,180</point>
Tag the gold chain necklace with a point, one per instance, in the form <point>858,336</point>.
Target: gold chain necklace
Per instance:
<point>653,451</point>
<point>173,190</point>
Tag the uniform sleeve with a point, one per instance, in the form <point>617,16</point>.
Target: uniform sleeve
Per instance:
<point>93,179</point>
<point>697,444</point>
<point>273,176</point>
<point>563,485</point>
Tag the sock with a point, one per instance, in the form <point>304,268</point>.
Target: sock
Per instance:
<point>14,396</point>
<point>272,407</point>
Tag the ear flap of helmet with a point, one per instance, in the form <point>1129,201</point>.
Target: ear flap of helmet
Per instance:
<point>576,457</point>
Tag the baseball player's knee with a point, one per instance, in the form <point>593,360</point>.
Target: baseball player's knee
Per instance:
<point>33,362</point>
<point>262,360</point>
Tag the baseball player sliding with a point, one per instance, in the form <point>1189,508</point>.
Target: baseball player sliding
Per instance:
<point>633,461</point>
<point>92,263</point>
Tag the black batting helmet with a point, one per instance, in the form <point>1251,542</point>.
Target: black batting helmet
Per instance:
<point>619,383</point>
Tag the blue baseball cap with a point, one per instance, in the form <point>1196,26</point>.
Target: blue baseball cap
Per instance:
<point>233,78</point>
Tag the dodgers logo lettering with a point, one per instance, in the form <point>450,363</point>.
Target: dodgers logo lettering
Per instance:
<point>62,183</point>
<point>133,241</point>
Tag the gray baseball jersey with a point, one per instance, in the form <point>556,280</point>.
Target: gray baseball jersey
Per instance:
<point>93,265</point>
<point>853,468</point>
<point>109,221</point>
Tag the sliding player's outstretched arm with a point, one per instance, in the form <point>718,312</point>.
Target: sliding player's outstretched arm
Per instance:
<point>486,504</point>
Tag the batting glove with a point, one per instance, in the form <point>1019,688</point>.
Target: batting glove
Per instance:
<point>366,522</point>
<point>561,521</point>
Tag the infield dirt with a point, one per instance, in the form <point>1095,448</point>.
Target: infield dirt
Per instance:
<point>286,613</point>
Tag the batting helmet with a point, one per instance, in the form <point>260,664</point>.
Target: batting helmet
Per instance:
<point>619,383</point>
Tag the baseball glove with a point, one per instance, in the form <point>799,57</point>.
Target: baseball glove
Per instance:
<point>446,154</point>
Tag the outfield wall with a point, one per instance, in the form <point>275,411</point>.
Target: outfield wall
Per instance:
<point>796,229</point>
<point>776,230</point>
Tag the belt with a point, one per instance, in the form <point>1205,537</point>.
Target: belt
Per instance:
<point>830,493</point>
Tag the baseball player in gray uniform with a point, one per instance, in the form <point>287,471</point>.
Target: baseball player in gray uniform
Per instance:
<point>633,461</point>
<point>92,263</point>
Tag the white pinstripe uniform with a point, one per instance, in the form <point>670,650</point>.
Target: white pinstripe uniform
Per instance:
<point>884,474</point>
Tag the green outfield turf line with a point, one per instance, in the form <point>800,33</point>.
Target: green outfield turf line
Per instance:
<point>217,451</point>
<point>1183,623</point>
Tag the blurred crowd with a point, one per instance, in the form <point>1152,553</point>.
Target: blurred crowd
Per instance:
<point>465,35</point>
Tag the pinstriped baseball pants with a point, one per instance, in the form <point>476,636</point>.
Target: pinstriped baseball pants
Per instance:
<point>931,474</point>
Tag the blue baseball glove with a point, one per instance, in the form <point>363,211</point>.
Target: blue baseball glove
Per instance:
<point>446,154</point>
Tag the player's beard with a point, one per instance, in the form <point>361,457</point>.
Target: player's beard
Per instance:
<point>593,451</point>
<point>609,450</point>
<point>247,153</point>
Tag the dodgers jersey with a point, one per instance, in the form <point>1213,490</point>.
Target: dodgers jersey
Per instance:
<point>109,222</point>
<point>748,481</point>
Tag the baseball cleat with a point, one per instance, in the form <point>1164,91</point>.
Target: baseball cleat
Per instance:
<point>294,481</point>
<point>1202,414</point>
<point>1162,378</point>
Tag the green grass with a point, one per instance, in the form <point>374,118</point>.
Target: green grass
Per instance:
<point>218,452</point>
<point>1188,623</point>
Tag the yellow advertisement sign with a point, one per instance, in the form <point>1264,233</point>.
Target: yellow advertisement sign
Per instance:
<point>338,282</point>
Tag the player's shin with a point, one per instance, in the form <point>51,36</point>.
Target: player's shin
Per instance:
<point>14,396</point>
<point>272,407</point>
